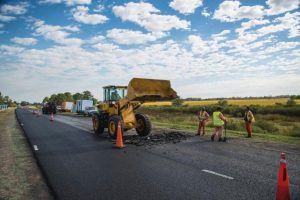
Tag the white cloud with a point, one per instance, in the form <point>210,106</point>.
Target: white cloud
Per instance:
<point>125,36</point>
<point>147,16</point>
<point>5,18</point>
<point>67,2</point>
<point>17,9</point>
<point>185,6</point>
<point>205,13</point>
<point>58,34</point>
<point>230,11</point>
<point>220,36</point>
<point>80,14</point>
<point>250,24</point>
<point>291,21</point>
<point>24,41</point>
<point>281,6</point>
<point>10,50</point>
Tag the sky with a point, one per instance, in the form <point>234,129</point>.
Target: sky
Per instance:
<point>206,49</point>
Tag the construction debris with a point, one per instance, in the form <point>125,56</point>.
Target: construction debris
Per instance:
<point>161,138</point>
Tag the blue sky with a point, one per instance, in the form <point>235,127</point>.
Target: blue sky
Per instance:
<point>206,48</point>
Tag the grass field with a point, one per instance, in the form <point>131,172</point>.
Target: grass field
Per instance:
<point>240,102</point>
<point>19,175</point>
<point>270,127</point>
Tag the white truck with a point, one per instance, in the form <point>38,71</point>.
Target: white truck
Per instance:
<point>81,105</point>
<point>66,106</point>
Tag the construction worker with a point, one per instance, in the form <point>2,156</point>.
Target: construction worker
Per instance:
<point>249,119</point>
<point>203,117</point>
<point>218,122</point>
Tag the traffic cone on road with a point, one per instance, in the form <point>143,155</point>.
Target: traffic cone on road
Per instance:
<point>51,117</point>
<point>119,142</point>
<point>283,190</point>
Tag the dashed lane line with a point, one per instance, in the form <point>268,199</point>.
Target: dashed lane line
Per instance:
<point>35,147</point>
<point>217,174</point>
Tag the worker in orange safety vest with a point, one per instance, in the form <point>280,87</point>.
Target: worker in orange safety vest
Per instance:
<point>249,119</point>
<point>203,117</point>
<point>218,122</point>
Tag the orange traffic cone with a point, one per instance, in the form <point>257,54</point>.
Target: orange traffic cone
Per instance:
<point>283,190</point>
<point>119,142</point>
<point>51,117</point>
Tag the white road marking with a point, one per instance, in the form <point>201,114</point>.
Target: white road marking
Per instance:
<point>217,174</point>
<point>35,147</point>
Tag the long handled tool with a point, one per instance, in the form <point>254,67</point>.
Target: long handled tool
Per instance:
<point>225,127</point>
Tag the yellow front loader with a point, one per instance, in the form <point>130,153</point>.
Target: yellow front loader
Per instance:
<point>120,103</point>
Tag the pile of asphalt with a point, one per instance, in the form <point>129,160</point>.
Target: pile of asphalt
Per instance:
<point>154,139</point>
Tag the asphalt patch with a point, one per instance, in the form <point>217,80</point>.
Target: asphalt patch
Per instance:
<point>155,139</point>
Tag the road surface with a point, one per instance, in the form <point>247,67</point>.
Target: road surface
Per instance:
<point>79,165</point>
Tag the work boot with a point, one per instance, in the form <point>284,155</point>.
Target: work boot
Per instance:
<point>212,138</point>
<point>220,140</point>
<point>197,134</point>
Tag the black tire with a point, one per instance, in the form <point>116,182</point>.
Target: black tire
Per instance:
<point>143,125</point>
<point>98,123</point>
<point>113,126</point>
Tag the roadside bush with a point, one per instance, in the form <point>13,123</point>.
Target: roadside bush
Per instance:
<point>267,126</point>
<point>177,102</point>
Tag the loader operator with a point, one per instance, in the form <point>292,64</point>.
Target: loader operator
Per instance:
<point>115,96</point>
<point>249,119</point>
<point>203,117</point>
<point>218,121</point>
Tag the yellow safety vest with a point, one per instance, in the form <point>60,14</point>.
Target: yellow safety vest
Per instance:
<point>217,121</point>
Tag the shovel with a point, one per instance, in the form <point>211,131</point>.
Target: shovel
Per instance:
<point>225,127</point>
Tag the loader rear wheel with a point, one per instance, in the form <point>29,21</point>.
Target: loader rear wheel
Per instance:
<point>113,126</point>
<point>143,125</point>
<point>98,124</point>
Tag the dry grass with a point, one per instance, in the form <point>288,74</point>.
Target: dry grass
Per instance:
<point>240,102</point>
<point>19,174</point>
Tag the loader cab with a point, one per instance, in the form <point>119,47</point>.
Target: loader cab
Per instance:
<point>114,93</point>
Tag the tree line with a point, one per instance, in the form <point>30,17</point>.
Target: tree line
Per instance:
<point>68,96</point>
<point>7,100</point>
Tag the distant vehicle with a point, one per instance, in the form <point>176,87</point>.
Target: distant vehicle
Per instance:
<point>66,106</point>
<point>49,108</point>
<point>82,104</point>
<point>89,111</point>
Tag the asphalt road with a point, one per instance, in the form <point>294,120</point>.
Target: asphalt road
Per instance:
<point>80,165</point>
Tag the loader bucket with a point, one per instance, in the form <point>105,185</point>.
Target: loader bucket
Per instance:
<point>146,90</point>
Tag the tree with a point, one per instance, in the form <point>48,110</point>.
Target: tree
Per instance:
<point>68,96</point>
<point>60,97</point>
<point>87,95</point>
<point>53,98</point>
<point>77,96</point>
<point>46,99</point>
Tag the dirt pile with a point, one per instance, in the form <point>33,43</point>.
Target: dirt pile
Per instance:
<point>154,139</point>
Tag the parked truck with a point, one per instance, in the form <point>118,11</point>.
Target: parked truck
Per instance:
<point>66,106</point>
<point>81,105</point>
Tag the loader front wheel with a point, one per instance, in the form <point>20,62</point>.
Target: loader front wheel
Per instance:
<point>98,123</point>
<point>143,125</point>
<point>113,126</point>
